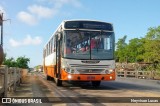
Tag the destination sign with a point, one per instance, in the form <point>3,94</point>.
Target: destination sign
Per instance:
<point>88,25</point>
<point>92,61</point>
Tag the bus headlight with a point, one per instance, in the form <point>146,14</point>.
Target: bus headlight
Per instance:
<point>69,76</point>
<point>69,70</point>
<point>109,71</point>
<point>66,67</point>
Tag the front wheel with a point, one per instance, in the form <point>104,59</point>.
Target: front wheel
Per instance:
<point>96,83</point>
<point>58,82</point>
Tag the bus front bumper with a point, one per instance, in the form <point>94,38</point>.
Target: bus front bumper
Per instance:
<point>88,77</point>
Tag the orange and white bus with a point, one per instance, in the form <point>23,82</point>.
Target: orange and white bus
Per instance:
<point>80,50</point>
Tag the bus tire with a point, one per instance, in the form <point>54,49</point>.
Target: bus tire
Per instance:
<point>58,82</point>
<point>96,83</point>
<point>48,77</point>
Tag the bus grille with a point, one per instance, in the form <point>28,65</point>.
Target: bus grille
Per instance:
<point>90,71</point>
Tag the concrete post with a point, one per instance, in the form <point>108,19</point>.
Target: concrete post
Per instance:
<point>15,79</point>
<point>19,77</point>
<point>125,73</point>
<point>136,73</point>
<point>5,81</point>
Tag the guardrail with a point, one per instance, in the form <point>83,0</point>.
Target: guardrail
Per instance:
<point>138,74</point>
<point>138,70</point>
<point>9,78</point>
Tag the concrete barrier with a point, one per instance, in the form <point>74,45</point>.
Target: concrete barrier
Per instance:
<point>10,79</point>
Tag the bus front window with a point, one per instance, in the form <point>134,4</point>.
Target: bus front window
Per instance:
<point>88,45</point>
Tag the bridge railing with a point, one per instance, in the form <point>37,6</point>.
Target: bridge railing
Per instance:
<point>139,74</point>
<point>136,71</point>
<point>9,79</point>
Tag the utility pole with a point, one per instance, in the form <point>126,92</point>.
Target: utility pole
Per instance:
<point>1,46</point>
<point>1,24</point>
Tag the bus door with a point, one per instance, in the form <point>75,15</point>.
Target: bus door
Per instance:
<point>58,60</point>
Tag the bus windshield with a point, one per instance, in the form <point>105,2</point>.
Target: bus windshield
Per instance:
<point>88,45</point>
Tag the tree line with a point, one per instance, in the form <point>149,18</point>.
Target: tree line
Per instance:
<point>145,49</point>
<point>20,62</point>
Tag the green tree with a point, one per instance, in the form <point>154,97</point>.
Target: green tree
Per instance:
<point>145,49</point>
<point>152,45</point>
<point>135,50</point>
<point>22,62</point>
<point>153,33</point>
<point>121,54</point>
<point>10,62</point>
<point>141,50</point>
<point>4,56</point>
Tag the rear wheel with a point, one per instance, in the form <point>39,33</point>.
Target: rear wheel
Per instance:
<point>96,83</point>
<point>48,77</point>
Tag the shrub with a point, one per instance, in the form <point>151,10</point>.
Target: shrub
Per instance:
<point>22,62</point>
<point>10,62</point>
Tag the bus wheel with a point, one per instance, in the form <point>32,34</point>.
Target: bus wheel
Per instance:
<point>96,83</point>
<point>48,77</point>
<point>58,82</point>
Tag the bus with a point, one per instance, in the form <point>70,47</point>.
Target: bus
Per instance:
<point>80,50</point>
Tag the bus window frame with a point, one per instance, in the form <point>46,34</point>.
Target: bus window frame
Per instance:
<point>75,30</point>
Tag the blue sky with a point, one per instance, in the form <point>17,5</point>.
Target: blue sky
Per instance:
<point>33,21</point>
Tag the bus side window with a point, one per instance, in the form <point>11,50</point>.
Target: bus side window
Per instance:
<point>54,44</point>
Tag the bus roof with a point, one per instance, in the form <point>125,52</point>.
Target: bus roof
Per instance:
<point>86,20</point>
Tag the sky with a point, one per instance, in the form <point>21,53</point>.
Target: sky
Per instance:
<point>30,23</point>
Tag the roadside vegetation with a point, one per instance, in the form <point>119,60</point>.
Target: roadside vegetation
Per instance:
<point>20,62</point>
<point>141,50</point>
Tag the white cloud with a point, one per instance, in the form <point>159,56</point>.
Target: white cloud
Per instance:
<point>36,12</point>
<point>14,43</point>
<point>32,41</point>
<point>26,41</point>
<point>60,3</point>
<point>42,12</point>
<point>74,3</point>
<point>27,18</point>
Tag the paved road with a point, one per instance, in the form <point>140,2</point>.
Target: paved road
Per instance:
<point>36,85</point>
